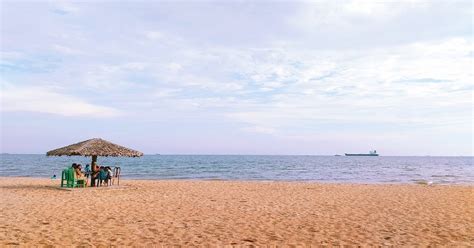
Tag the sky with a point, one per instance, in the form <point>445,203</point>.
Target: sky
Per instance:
<point>239,77</point>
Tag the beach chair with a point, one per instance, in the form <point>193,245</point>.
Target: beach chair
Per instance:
<point>65,182</point>
<point>116,175</point>
<point>76,182</point>
<point>103,178</point>
<point>68,179</point>
<point>80,183</point>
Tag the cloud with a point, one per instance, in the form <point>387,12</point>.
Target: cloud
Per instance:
<point>174,67</point>
<point>292,70</point>
<point>64,7</point>
<point>367,24</point>
<point>257,129</point>
<point>423,80</point>
<point>48,100</point>
<point>66,50</point>
<point>166,93</point>
<point>154,35</point>
<point>366,88</point>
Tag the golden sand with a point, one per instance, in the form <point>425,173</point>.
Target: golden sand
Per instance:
<point>217,213</point>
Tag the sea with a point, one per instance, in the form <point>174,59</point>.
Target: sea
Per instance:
<point>330,169</point>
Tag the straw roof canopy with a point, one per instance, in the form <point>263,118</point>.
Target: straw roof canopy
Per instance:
<point>94,147</point>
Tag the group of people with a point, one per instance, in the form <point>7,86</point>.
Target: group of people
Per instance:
<point>101,173</point>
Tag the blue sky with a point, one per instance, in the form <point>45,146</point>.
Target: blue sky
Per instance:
<point>239,77</point>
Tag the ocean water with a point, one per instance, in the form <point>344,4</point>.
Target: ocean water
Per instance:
<point>439,170</point>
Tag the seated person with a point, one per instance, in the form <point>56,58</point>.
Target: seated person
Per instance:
<point>103,175</point>
<point>109,172</point>
<point>94,173</point>
<point>79,174</point>
<point>95,170</point>
<point>87,170</point>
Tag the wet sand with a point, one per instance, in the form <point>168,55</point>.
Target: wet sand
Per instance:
<point>218,213</point>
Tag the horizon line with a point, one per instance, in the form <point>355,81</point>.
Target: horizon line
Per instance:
<point>206,154</point>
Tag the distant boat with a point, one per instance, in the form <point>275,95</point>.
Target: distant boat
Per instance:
<point>371,153</point>
<point>337,155</point>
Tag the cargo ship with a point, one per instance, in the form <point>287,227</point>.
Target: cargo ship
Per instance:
<point>371,153</point>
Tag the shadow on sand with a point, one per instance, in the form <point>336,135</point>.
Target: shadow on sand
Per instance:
<point>31,187</point>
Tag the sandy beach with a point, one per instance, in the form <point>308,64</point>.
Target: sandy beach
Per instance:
<point>187,213</point>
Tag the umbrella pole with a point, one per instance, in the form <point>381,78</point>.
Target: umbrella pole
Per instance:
<point>94,161</point>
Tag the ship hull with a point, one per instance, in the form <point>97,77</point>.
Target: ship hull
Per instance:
<point>361,154</point>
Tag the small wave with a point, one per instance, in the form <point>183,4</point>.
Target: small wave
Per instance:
<point>444,176</point>
<point>422,182</point>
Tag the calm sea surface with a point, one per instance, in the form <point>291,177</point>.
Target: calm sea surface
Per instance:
<point>441,170</point>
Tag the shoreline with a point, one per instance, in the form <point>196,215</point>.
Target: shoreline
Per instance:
<point>417,182</point>
<point>192,213</point>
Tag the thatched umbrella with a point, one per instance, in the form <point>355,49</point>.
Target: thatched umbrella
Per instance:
<point>94,147</point>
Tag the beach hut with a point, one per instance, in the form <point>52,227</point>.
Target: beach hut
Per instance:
<point>94,147</point>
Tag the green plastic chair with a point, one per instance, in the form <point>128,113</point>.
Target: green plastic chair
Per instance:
<point>68,179</point>
<point>64,178</point>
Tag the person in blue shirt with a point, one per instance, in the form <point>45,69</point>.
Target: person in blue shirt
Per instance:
<point>103,175</point>
<point>87,170</point>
